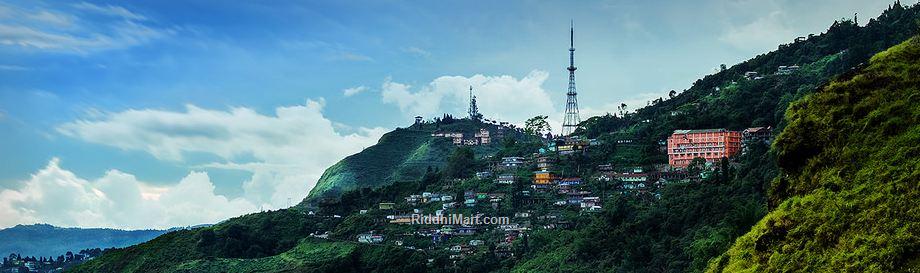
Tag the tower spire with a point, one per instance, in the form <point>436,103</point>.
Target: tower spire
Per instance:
<point>474,110</point>
<point>571,119</point>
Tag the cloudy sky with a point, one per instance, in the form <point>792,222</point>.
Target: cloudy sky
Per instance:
<point>154,114</point>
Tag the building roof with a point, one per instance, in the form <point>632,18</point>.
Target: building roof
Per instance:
<point>680,132</point>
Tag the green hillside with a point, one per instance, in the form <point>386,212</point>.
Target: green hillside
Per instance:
<point>836,192</point>
<point>848,192</point>
<point>401,155</point>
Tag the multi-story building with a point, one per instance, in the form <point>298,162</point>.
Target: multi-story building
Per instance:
<point>483,137</point>
<point>709,144</point>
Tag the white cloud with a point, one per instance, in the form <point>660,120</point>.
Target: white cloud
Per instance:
<point>348,92</point>
<point>762,34</point>
<point>285,152</point>
<point>59,197</point>
<point>13,67</point>
<point>504,98</point>
<point>55,30</point>
<point>110,10</point>
<point>417,51</point>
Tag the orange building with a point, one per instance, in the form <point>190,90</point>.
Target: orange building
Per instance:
<point>543,179</point>
<point>709,144</point>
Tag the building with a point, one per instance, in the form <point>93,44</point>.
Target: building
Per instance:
<point>544,163</point>
<point>709,144</point>
<point>786,70</point>
<point>370,238</point>
<point>512,162</point>
<point>505,179</point>
<point>543,179</point>
<point>483,137</point>
<point>386,205</point>
<point>756,134</point>
<point>483,174</point>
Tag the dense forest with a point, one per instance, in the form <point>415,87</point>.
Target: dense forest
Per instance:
<point>836,192</point>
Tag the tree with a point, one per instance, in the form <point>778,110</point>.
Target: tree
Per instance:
<point>460,163</point>
<point>696,166</point>
<point>537,126</point>
<point>672,94</point>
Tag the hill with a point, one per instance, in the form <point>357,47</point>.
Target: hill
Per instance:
<point>673,227</point>
<point>847,193</point>
<point>404,154</point>
<point>47,240</point>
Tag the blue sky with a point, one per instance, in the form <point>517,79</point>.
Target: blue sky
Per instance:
<point>132,105</point>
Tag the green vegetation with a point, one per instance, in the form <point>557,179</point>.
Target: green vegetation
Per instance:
<point>847,198</point>
<point>837,191</point>
<point>401,155</point>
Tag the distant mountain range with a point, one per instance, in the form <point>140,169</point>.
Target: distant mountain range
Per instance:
<point>46,240</point>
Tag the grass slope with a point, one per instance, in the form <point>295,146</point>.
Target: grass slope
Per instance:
<point>401,155</point>
<point>848,196</point>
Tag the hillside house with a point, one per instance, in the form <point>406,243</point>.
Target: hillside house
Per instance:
<point>511,162</point>
<point>709,144</point>
<point>370,238</point>
<point>750,135</point>
<point>786,70</point>
<point>544,179</point>
<point>483,174</point>
<point>483,137</point>
<point>505,179</point>
<point>386,205</point>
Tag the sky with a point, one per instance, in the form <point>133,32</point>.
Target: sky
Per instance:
<point>155,114</point>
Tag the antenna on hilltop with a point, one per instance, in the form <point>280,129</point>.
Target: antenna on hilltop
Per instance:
<point>572,119</point>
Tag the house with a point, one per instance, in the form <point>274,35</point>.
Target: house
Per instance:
<point>523,214</point>
<point>476,242</point>
<point>573,181</point>
<point>448,205</point>
<point>370,238</point>
<point>544,163</point>
<point>483,174</point>
<point>446,198</point>
<point>386,205</point>
<point>750,135</point>
<point>505,179</point>
<point>605,167</point>
<point>512,162</point>
<point>710,144</point>
<point>470,203</point>
<point>750,75</point>
<point>413,199</point>
<point>632,177</point>
<point>483,136</point>
<point>543,179</point>
<point>786,70</point>
<point>401,219</point>
<point>461,248</point>
<point>466,231</point>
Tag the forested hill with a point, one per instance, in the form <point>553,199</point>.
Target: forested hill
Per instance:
<point>47,240</point>
<point>850,162</point>
<point>847,154</point>
<point>726,100</point>
<point>404,154</point>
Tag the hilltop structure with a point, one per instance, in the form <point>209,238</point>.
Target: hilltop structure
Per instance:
<point>572,119</point>
<point>474,110</point>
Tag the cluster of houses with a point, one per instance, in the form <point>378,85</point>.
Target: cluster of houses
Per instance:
<point>781,70</point>
<point>479,138</point>
<point>569,145</point>
<point>15,263</point>
<point>547,186</point>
